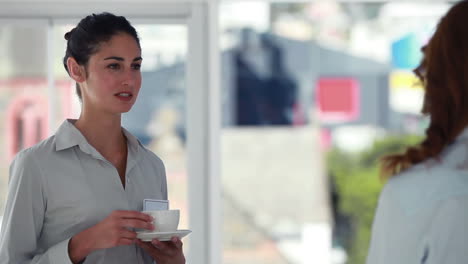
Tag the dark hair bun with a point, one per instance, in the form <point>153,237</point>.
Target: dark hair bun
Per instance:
<point>68,34</point>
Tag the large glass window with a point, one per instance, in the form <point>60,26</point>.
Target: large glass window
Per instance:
<point>313,93</point>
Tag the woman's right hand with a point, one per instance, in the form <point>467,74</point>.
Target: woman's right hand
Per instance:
<point>111,232</point>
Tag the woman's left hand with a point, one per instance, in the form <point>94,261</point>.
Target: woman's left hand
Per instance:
<point>169,252</point>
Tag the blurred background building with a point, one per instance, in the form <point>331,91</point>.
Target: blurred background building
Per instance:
<point>311,94</point>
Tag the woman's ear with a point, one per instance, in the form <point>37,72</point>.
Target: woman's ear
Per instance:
<point>77,72</point>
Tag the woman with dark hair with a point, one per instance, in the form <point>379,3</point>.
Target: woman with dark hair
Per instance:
<point>77,196</point>
<point>422,214</point>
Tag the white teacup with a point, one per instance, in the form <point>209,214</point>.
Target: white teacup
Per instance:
<point>164,220</point>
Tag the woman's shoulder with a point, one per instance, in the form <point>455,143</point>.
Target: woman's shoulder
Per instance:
<point>149,155</point>
<point>37,151</point>
<point>425,185</point>
<point>143,152</point>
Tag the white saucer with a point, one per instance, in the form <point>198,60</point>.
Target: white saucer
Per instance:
<point>162,236</point>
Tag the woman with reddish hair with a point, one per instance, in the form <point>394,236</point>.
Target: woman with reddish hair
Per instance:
<point>422,214</point>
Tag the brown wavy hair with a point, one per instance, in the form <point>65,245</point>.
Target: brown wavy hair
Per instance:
<point>443,73</point>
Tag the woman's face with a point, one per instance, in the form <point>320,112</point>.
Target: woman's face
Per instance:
<point>113,76</point>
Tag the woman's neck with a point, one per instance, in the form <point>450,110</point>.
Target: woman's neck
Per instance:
<point>103,133</point>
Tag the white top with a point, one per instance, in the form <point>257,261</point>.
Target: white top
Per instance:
<point>422,214</point>
<point>62,186</point>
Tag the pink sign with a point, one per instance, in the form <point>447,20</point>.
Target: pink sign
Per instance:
<point>338,99</point>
